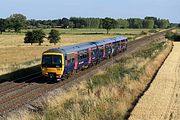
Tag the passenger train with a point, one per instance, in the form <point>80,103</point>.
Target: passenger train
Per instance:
<point>59,63</point>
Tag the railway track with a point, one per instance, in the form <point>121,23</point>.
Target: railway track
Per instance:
<point>16,93</point>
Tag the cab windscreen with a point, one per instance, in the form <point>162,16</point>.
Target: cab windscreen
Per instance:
<point>52,61</point>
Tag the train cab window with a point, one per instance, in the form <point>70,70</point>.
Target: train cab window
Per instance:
<point>52,61</point>
<point>56,60</point>
<point>47,60</point>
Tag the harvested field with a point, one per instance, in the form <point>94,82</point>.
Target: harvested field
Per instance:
<point>162,100</point>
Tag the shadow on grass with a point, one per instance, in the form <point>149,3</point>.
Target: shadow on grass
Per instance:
<point>17,75</point>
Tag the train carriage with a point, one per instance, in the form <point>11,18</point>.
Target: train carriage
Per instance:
<point>58,63</point>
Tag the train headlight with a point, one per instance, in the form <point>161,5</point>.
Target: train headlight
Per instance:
<point>43,69</point>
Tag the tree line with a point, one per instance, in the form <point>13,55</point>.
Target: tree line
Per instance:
<point>17,22</point>
<point>79,22</point>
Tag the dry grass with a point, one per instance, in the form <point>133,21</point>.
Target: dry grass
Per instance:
<point>108,100</point>
<point>22,115</point>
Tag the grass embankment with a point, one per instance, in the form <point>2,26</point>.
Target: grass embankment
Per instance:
<point>16,55</point>
<point>110,93</point>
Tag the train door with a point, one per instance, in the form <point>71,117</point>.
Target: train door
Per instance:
<point>100,52</point>
<point>94,54</point>
<point>83,58</point>
<point>120,46</point>
<point>125,44</point>
<point>70,62</point>
<point>75,60</point>
<point>104,51</point>
<point>90,55</point>
<point>108,50</point>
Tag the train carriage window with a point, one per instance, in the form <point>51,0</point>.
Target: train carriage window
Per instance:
<point>80,56</point>
<point>122,43</point>
<point>101,49</point>
<point>114,45</point>
<point>72,59</point>
<point>68,59</point>
<point>94,50</point>
<point>83,54</point>
<point>118,44</point>
<point>107,48</point>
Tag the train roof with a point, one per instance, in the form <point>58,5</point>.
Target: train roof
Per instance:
<point>109,40</point>
<point>82,46</point>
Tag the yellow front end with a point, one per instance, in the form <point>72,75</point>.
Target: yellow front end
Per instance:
<point>51,71</point>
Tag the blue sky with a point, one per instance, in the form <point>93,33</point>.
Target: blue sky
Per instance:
<point>54,9</point>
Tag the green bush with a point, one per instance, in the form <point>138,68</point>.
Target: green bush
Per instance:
<point>173,36</point>
<point>177,37</point>
<point>170,35</point>
<point>150,51</point>
<point>143,33</point>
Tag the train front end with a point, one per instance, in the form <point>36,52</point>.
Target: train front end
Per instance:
<point>52,65</point>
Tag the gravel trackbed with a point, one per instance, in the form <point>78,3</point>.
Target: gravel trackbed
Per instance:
<point>162,100</point>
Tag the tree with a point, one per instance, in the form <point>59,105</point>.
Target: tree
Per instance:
<point>65,23</point>
<point>78,22</point>
<point>156,23</point>
<point>169,35</point>
<point>54,36</point>
<point>164,23</point>
<point>36,36</point>
<point>92,22</point>
<point>138,23</point>
<point>3,25</point>
<point>108,24</point>
<point>148,23</point>
<point>122,23</point>
<point>17,22</point>
<point>135,23</point>
<point>71,24</point>
<point>29,38</point>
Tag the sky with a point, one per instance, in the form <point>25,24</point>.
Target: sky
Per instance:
<point>55,9</point>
